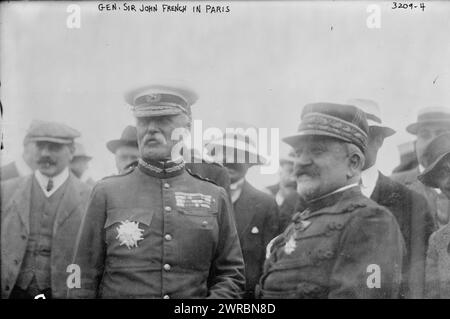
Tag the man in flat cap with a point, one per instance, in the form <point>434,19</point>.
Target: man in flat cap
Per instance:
<point>431,122</point>
<point>125,149</point>
<point>256,213</point>
<point>343,245</point>
<point>80,164</point>
<point>158,231</point>
<point>409,208</point>
<point>41,215</point>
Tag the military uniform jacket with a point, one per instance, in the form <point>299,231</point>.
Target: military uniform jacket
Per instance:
<point>416,224</point>
<point>342,246</point>
<point>16,197</point>
<point>186,244</point>
<point>257,222</point>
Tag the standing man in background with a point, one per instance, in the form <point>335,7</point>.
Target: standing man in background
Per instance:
<point>409,208</point>
<point>80,164</point>
<point>41,215</point>
<point>256,213</point>
<point>431,122</point>
<point>125,149</point>
<point>22,166</point>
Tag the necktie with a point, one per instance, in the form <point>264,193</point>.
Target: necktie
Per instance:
<point>49,185</point>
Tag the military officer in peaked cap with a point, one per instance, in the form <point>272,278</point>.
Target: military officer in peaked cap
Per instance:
<point>158,231</point>
<point>343,245</point>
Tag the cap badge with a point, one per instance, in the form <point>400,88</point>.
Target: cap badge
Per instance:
<point>129,234</point>
<point>152,98</point>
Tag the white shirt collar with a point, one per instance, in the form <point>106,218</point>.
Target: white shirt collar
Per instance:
<point>279,198</point>
<point>22,167</point>
<point>58,180</point>
<point>369,178</point>
<point>236,190</point>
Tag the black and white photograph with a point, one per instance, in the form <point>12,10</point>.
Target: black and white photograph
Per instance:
<point>239,150</point>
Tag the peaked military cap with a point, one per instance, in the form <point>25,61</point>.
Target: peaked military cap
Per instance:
<point>51,132</point>
<point>342,121</point>
<point>159,100</point>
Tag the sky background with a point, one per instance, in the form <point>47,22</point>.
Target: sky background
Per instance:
<point>258,64</point>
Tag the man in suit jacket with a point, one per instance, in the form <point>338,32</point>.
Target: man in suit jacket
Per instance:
<point>437,175</point>
<point>41,215</point>
<point>409,208</point>
<point>431,122</point>
<point>256,213</point>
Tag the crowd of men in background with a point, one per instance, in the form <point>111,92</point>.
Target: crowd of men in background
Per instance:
<point>162,227</point>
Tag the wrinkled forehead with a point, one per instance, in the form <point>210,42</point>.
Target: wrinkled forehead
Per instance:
<point>50,145</point>
<point>175,118</point>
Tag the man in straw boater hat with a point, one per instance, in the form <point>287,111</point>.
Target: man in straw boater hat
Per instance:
<point>255,212</point>
<point>437,175</point>
<point>157,231</point>
<point>431,122</point>
<point>41,215</point>
<point>343,245</point>
<point>409,208</point>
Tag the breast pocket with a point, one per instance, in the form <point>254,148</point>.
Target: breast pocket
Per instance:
<point>198,231</point>
<point>125,229</point>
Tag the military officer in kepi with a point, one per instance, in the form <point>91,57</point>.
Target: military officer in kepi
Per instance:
<point>343,245</point>
<point>157,231</point>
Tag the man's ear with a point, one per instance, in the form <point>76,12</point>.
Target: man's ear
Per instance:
<point>356,163</point>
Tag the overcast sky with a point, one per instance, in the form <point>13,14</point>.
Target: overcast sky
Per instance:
<point>258,64</point>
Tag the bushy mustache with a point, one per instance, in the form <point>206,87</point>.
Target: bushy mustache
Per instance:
<point>310,171</point>
<point>46,160</point>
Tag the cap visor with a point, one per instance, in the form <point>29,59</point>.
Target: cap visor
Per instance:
<point>50,139</point>
<point>154,113</point>
<point>293,139</point>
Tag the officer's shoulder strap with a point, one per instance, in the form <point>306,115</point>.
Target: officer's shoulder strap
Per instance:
<point>126,172</point>
<point>200,177</point>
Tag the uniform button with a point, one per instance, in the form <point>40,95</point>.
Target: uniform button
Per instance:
<point>168,208</point>
<point>204,223</point>
<point>166,185</point>
<point>167,267</point>
<point>166,297</point>
<point>168,237</point>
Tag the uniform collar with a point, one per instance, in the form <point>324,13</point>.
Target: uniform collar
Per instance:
<point>163,169</point>
<point>369,178</point>
<point>58,180</point>
<point>331,198</point>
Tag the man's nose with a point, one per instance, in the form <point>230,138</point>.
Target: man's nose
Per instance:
<point>302,159</point>
<point>152,126</point>
<point>44,151</point>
